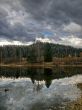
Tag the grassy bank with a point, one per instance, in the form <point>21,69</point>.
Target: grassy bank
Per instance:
<point>45,65</point>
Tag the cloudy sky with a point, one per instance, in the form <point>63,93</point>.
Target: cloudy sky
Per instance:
<point>57,21</point>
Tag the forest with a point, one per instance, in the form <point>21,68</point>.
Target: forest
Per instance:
<point>37,52</point>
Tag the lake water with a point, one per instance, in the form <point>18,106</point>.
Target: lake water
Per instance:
<point>39,88</point>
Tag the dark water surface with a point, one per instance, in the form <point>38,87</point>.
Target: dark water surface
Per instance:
<point>39,88</point>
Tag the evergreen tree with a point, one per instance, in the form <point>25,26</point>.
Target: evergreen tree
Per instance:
<point>32,57</point>
<point>47,53</point>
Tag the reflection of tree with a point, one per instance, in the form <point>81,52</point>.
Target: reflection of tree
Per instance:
<point>33,80</point>
<point>40,74</point>
<point>48,74</point>
<point>37,86</point>
<point>79,85</point>
<point>48,83</point>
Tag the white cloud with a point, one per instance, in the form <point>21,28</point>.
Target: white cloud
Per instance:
<point>44,40</point>
<point>72,27</point>
<point>13,42</point>
<point>17,17</point>
<point>14,16</point>
<point>69,40</point>
<point>72,41</point>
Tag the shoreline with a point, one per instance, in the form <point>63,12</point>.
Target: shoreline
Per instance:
<point>46,65</point>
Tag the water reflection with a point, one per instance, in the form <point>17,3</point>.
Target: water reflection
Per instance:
<point>39,74</point>
<point>39,89</point>
<point>22,97</point>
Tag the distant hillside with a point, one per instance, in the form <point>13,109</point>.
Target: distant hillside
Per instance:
<point>37,51</point>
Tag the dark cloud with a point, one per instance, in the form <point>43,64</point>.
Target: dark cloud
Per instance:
<point>36,8</point>
<point>57,11</point>
<point>24,20</point>
<point>3,14</point>
<point>17,32</point>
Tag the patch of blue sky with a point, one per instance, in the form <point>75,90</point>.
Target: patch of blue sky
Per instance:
<point>47,33</point>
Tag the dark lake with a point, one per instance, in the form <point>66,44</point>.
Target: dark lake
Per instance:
<point>39,88</point>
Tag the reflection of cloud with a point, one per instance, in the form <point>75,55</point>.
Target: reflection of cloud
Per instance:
<point>21,95</point>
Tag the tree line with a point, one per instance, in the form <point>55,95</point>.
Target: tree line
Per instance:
<point>37,52</point>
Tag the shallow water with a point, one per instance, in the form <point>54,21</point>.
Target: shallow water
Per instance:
<point>39,89</point>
